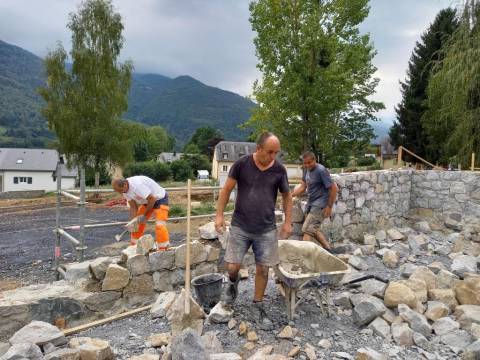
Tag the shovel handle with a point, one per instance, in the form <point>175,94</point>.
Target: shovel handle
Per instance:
<point>187,253</point>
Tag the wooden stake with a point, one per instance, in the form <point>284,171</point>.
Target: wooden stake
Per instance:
<point>84,327</point>
<point>399,156</point>
<point>187,255</point>
<point>473,161</point>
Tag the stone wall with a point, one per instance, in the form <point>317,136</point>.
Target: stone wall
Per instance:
<point>453,196</point>
<point>369,200</point>
<point>106,285</point>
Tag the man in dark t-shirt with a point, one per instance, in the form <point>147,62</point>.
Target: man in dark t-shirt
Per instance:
<point>259,177</point>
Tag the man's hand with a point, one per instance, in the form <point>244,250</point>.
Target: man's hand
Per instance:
<point>327,212</point>
<point>141,219</point>
<point>285,231</point>
<point>219,224</point>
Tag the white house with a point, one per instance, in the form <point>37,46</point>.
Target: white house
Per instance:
<point>227,152</point>
<point>32,169</point>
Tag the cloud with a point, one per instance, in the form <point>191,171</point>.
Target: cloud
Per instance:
<point>212,40</point>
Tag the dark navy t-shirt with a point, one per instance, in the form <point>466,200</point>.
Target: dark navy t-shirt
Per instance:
<point>257,194</point>
<point>318,182</point>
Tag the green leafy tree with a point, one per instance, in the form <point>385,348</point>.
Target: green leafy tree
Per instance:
<point>407,129</point>
<point>84,105</point>
<point>452,121</point>
<point>147,142</point>
<point>205,138</point>
<point>317,74</point>
<point>181,170</point>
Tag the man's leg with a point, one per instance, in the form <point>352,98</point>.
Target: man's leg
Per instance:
<point>265,249</point>
<point>261,280</point>
<point>135,235</point>
<point>162,237</point>
<point>237,246</point>
<point>322,239</point>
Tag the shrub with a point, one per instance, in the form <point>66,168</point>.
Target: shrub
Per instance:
<point>153,169</point>
<point>366,161</point>
<point>181,170</point>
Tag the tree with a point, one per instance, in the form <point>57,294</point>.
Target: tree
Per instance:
<point>407,129</point>
<point>452,121</point>
<point>147,142</point>
<point>84,105</point>
<point>317,74</point>
<point>205,138</point>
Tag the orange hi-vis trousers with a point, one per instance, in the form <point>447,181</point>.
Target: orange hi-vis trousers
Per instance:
<point>161,231</point>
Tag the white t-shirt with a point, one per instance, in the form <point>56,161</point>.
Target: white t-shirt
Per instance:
<point>140,187</point>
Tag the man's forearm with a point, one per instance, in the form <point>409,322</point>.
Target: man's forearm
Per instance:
<point>287,207</point>
<point>222,201</point>
<point>332,195</point>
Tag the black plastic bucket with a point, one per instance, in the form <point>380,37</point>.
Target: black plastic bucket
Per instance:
<point>208,289</point>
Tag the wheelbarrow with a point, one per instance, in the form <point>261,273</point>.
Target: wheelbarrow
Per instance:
<point>305,265</point>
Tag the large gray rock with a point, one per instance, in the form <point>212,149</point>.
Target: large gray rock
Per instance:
<point>343,300</point>
<point>221,313</point>
<point>445,325</point>
<point>102,301</point>
<point>99,267</point>
<point>22,351</point>
<point>381,328</point>
<point>446,279</point>
<point>367,310</point>
<point>198,254</point>
<point>163,302</point>
<point>186,344</point>
<point>421,341</point>
<point>417,322</point>
<point>464,264</point>
<point>162,260</point>
<point>373,287</point>
<point>472,351</point>
<point>204,268</point>
<point>211,343</point>
<point>78,272</point>
<point>417,243</point>
<point>457,340</point>
<point>208,231</point>
<point>467,315</point>
<point>407,269</point>
<point>145,245</point>
<point>138,265</point>
<point>423,226</point>
<point>39,333</point>
<point>358,263</point>
<point>116,278</point>
<point>402,334</point>
<point>139,290</point>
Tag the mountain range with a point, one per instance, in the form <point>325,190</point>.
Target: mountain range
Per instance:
<point>180,105</point>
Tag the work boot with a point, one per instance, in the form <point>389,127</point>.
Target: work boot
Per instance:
<point>263,322</point>
<point>231,291</point>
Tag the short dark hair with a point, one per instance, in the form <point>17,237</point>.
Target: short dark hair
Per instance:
<point>309,155</point>
<point>263,137</point>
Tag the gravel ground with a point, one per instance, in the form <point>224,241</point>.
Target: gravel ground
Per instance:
<point>129,336</point>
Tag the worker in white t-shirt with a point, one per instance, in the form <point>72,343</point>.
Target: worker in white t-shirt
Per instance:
<point>145,197</point>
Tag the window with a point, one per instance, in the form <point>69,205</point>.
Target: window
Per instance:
<point>19,161</point>
<point>225,155</point>
<point>225,168</point>
<point>23,179</point>
<point>29,180</point>
<point>15,180</point>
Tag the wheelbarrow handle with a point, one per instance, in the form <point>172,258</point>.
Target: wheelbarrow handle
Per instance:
<point>367,277</point>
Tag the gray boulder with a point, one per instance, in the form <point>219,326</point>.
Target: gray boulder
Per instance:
<point>39,333</point>
<point>186,344</point>
<point>367,309</point>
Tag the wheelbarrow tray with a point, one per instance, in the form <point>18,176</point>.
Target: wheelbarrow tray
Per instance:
<point>304,264</point>
<point>302,261</point>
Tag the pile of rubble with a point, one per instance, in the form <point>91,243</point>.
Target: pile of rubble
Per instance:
<point>432,303</point>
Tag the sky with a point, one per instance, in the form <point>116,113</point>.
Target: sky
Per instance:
<point>212,41</point>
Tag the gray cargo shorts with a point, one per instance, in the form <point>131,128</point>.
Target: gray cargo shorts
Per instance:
<point>264,246</point>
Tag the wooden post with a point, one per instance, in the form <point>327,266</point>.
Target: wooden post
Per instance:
<point>473,161</point>
<point>187,255</point>
<point>399,157</point>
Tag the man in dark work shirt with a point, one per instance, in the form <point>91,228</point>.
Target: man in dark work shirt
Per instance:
<point>259,177</point>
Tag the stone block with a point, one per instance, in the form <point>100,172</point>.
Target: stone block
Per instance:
<point>162,260</point>
<point>116,278</point>
<point>198,254</point>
